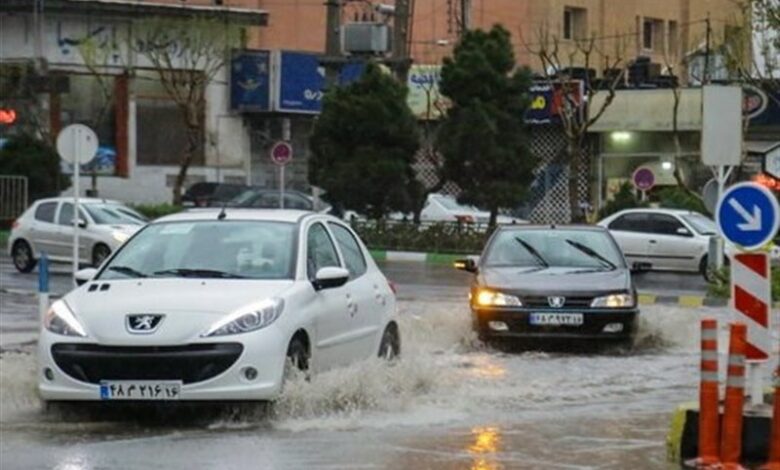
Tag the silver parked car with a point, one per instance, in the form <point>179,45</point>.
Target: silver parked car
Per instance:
<point>47,226</point>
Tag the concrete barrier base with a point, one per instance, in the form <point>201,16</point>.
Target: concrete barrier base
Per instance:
<point>683,439</point>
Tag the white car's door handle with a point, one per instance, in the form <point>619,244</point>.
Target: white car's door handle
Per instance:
<point>653,242</point>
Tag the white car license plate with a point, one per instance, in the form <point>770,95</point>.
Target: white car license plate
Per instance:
<point>140,390</point>
<point>557,319</point>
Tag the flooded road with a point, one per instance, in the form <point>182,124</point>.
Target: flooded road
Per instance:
<point>450,403</point>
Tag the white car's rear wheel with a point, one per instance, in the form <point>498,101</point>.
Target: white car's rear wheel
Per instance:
<point>390,347</point>
<point>22,255</point>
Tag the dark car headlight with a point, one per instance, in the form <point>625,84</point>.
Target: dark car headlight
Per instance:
<point>491,298</point>
<point>623,300</point>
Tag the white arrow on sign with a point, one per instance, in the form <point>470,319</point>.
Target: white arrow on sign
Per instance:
<point>752,222</point>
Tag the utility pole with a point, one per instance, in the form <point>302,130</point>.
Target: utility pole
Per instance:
<point>401,39</point>
<point>465,16</point>
<point>706,75</point>
<point>332,40</point>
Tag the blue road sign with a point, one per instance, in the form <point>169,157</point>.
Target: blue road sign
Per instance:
<point>748,215</point>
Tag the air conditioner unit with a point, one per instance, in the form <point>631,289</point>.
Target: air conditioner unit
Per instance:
<point>365,38</point>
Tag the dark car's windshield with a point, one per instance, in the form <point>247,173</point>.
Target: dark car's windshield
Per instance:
<point>554,248</point>
<point>208,249</point>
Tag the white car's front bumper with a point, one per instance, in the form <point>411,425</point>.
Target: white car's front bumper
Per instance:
<point>263,350</point>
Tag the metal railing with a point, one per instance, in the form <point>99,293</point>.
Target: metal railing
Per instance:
<point>13,196</point>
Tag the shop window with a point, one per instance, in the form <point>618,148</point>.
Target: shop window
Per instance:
<point>160,130</point>
<point>575,23</point>
<point>90,100</point>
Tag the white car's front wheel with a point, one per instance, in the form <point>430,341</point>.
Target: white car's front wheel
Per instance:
<point>298,356</point>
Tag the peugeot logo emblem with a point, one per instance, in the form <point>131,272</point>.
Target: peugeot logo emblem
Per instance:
<point>143,323</point>
<point>556,302</point>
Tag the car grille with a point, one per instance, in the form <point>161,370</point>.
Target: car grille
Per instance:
<point>190,363</point>
<point>570,303</point>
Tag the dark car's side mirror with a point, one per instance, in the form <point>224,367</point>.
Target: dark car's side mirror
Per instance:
<point>466,264</point>
<point>639,268</point>
<point>330,277</point>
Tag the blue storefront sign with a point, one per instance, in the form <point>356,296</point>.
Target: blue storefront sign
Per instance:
<point>761,106</point>
<point>540,110</point>
<point>250,81</point>
<point>302,81</point>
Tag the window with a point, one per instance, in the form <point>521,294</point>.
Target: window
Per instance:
<point>652,34</point>
<point>635,222</point>
<point>66,214</point>
<point>575,23</point>
<point>45,212</point>
<point>350,249</point>
<point>664,224</point>
<point>320,251</point>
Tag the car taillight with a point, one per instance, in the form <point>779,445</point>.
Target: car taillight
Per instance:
<point>465,219</point>
<point>15,225</point>
<point>393,287</point>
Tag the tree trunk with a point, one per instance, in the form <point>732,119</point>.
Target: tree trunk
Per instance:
<point>193,144</point>
<point>493,217</point>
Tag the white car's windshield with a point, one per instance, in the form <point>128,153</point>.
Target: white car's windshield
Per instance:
<point>558,248</point>
<point>208,249</point>
<point>701,224</point>
<point>113,214</point>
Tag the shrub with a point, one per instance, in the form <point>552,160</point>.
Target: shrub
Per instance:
<point>154,211</point>
<point>433,238</point>
<point>720,286</point>
<point>677,198</point>
<point>25,155</point>
<point>623,199</point>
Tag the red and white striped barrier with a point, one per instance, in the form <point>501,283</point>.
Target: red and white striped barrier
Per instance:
<point>752,301</point>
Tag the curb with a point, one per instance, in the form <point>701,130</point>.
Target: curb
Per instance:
<point>415,257</point>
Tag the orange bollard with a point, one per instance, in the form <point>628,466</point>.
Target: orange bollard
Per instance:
<point>774,440</point>
<point>709,413</point>
<point>731,437</point>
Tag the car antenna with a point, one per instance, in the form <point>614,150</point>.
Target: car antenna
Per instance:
<point>222,214</point>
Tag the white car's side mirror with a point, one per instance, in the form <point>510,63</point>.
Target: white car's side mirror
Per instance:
<point>85,275</point>
<point>330,277</point>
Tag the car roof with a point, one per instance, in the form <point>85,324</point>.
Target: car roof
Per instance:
<point>232,213</point>
<point>82,200</point>
<point>591,228</point>
<point>659,210</point>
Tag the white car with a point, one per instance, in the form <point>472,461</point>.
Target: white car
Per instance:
<point>667,239</point>
<point>442,208</point>
<point>47,227</point>
<point>218,305</point>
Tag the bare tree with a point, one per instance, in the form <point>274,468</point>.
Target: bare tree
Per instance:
<point>576,111</point>
<point>188,54</point>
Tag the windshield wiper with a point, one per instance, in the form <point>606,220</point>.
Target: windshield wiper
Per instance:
<point>592,253</point>
<point>127,270</point>
<point>186,272</point>
<point>539,258</point>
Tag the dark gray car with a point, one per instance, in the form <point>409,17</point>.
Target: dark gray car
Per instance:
<point>547,282</point>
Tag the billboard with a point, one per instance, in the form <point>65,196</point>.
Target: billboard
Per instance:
<point>250,81</point>
<point>546,100</point>
<point>424,98</point>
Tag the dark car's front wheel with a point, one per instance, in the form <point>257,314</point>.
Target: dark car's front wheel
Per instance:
<point>22,256</point>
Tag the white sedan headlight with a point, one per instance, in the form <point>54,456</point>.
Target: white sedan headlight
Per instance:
<point>248,319</point>
<point>60,320</point>
<point>121,237</point>
<point>491,298</point>
<point>614,301</point>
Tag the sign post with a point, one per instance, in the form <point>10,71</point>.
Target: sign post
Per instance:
<point>77,144</point>
<point>281,154</point>
<point>748,215</point>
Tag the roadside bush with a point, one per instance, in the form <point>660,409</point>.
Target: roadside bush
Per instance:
<point>434,238</point>
<point>24,155</point>
<point>623,199</point>
<point>154,211</point>
<point>678,198</point>
<point>721,284</point>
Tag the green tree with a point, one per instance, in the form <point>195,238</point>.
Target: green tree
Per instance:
<point>364,144</point>
<point>483,138</point>
<point>24,155</point>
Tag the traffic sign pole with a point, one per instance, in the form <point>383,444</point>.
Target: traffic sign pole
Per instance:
<point>281,186</point>
<point>76,190</point>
